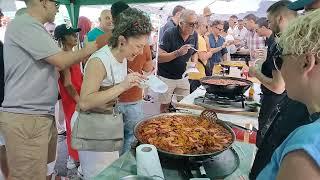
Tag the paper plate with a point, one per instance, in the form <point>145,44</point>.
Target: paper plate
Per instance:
<point>156,85</point>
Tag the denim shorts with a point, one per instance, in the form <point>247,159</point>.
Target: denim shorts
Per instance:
<point>132,113</point>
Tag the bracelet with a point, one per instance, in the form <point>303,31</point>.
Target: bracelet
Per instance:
<point>177,53</point>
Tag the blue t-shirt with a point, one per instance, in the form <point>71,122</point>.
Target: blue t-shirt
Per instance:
<point>216,57</point>
<point>305,138</point>
<point>94,34</point>
<point>167,26</point>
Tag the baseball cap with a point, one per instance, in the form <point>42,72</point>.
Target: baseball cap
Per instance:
<point>299,4</point>
<point>63,30</point>
<point>207,12</point>
<point>118,7</point>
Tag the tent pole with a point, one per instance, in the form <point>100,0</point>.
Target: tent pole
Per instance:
<point>73,21</point>
<point>72,15</point>
<point>157,46</point>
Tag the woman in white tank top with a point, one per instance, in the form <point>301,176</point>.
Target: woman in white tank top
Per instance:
<point>108,67</point>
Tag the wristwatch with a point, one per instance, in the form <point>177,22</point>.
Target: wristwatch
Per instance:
<point>177,53</point>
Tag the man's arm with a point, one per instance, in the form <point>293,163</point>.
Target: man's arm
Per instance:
<point>275,84</point>
<point>224,57</point>
<point>65,59</point>
<point>206,38</point>
<point>166,57</point>
<point>217,49</point>
<point>224,50</point>
<point>195,57</point>
<point>204,56</point>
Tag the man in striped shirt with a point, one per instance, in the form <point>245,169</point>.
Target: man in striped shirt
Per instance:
<point>252,40</point>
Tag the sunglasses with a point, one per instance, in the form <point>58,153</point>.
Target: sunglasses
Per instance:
<point>57,3</point>
<point>192,25</point>
<point>219,29</point>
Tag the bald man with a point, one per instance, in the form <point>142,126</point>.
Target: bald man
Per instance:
<point>105,26</point>
<point>31,90</point>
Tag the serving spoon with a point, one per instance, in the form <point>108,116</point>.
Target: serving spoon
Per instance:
<point>211,116</point>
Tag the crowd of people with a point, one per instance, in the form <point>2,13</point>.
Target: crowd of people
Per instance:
<point>97,84</point>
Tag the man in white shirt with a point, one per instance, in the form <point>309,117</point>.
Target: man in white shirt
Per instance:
<point>229,39</point>
<point>240,32</point>
<point>233,21</point>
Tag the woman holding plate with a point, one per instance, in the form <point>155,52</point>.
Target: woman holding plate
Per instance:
<point>98,128</point>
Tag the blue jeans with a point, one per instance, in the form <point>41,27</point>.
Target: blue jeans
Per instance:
<point>132,114</point>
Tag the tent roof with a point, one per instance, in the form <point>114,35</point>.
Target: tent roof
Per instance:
<point>98,2</point>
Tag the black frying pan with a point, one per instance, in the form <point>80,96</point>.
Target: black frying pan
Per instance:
<point>180,156</point>
<point>230,90</point>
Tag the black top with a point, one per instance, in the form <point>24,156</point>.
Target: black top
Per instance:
<point>268,65</point>
<point>286,118</point>
<point>1,74</point>
<point>168,25</point>
<point>172,41</point>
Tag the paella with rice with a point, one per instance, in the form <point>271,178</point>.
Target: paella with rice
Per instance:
<point>182,134</point>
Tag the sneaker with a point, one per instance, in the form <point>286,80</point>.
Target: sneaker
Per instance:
<point>64,133</point>
<point>71,164</point>
<point>80,174</point>
<point>147,98</point>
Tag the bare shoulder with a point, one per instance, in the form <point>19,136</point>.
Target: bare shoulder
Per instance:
<point>298,165</point>
<point>95,66</point>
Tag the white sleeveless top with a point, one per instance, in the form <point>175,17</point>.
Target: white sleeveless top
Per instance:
<point>114,68</point>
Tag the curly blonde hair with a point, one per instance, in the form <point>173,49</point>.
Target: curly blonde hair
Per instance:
<point>302,35</point>
<point>131,22</point>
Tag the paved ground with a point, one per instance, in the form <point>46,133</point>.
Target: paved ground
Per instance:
<point>150,108</point>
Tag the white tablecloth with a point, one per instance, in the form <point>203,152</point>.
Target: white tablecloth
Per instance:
<point>237,119</point>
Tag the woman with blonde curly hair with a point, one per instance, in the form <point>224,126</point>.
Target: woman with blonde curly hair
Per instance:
<point>105,78</point>
<point>298,157</point>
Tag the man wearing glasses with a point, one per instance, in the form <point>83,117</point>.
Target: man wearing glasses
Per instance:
<point>272,84</point>
<point>203,53</point>
<point>282,117</point>
<point>179,44</point>
<point>31,91</point>
<point>217,45</point>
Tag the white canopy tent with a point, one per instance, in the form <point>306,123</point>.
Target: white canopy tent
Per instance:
<point>222,9</point>
<point>159,12</point>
